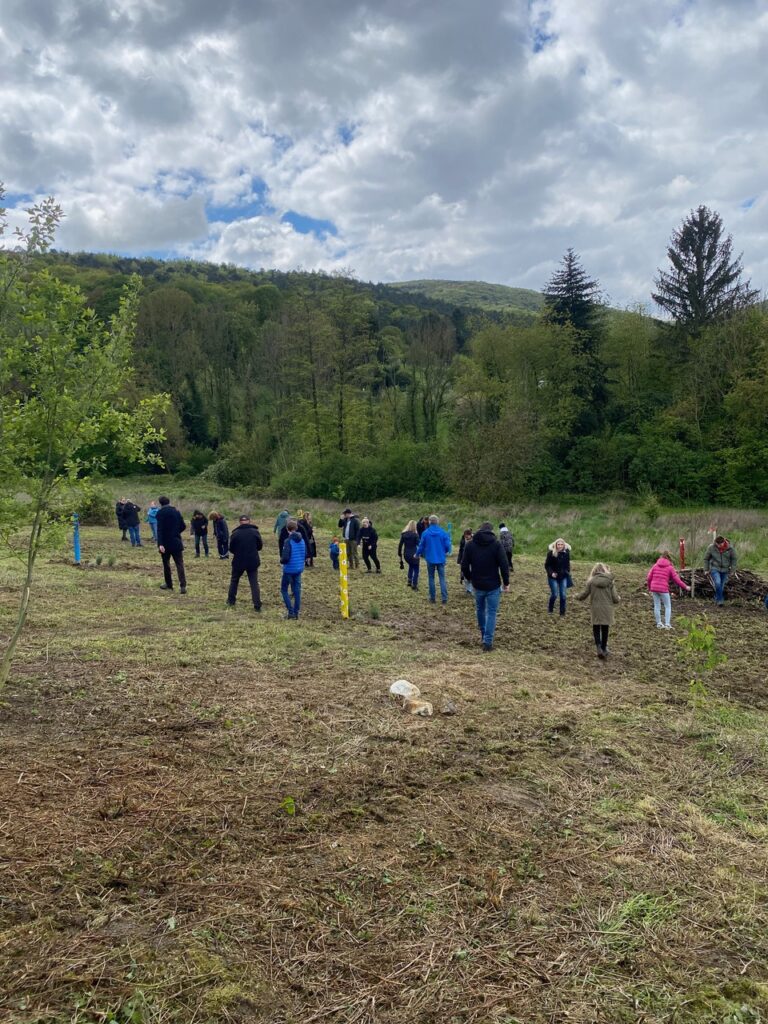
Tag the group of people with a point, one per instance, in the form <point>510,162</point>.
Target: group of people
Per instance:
<point>485,562</point>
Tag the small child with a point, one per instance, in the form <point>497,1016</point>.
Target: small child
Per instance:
<point>465,539</point>
<point>602,594</point>
<point>661,575</point>
<point>333,551</point>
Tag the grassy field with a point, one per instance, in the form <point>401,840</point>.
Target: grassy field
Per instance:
<point>211,815</point>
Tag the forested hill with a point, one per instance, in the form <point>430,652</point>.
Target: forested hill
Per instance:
<point>477,294</point>
<point>325,386</point>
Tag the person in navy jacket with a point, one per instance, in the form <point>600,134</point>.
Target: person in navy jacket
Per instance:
<point>170,526</point>
<point>245,543</point>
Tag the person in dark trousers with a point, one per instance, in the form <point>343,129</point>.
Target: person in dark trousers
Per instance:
<point>349,525</point>
<point>245,544</point>
<point>369,539</point>
<point>406,549</point>
<point>435,546</point>
<point>304,526</point>
<point>466,537</point>
<point>600,591</point>
<point>508,543</point>
<point>486,566</point>
<point>170,526</point>
<point>334,551</point>
<point>151,518</point>
<point>292,558</point>
<point>131,522</point>
<point>558,567</point>
<point>422,525</point>
<point>221,533</point>
<point>280,522</point>
<point>120,513</point>
<point>199,525</point>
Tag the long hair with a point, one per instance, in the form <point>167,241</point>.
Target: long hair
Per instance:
<point>600,568</point>
<point>410,526</point>
<point>553,545</point>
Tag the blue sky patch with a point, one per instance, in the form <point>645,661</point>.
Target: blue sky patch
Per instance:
<point>541,39</point>
<point>749,203</point>
<point>346,132</point>
<point>256,205</point>
<point>309,225</point>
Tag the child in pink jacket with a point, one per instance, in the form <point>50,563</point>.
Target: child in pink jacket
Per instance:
<point>659,578</point>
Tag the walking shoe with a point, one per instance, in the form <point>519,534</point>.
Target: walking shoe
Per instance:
<point>182,590</point>
<point>659,626</point>
<point>487,648</point>
<point>605,652</point>
<point>667,625</point>
<point>164,586</point>
<point>600,653</point>
<point>257,609</point>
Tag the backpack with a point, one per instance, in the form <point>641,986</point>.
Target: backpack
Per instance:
<point>507,542</point>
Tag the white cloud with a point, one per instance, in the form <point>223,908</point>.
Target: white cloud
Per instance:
<point>469,141</point>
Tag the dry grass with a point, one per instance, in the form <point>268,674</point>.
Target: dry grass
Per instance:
<point>213,816</point>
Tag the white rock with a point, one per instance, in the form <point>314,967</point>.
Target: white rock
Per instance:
<point>402,688</point>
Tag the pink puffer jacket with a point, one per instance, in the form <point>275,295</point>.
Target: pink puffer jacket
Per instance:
<point>661,575</point>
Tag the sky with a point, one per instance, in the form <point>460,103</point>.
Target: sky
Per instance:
<point>402,139</point>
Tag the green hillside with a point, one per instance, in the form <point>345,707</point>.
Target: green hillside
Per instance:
<point>476,294</point>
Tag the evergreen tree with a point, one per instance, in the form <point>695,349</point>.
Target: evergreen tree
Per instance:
<point>703,285</point>
<point>570,297</point>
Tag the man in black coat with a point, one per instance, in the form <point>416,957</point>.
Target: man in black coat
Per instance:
<point>245,543</point>
<point>349,524</point>
<point>170,526</point>
<point>131,522</point>
<point>120,514</point>
<point>486,566</point>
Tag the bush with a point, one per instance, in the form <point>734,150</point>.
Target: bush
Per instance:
<point>196,461</point>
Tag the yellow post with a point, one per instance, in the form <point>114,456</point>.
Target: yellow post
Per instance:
<point>343,581</point>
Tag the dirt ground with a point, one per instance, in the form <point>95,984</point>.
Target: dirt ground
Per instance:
<point>211,815</point>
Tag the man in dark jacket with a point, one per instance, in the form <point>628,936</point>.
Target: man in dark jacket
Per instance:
<point>349,524</point>
<point>131,522</point>
<point>486,566</point>
<point>120,514</point>
<point>245,544</point>
<point>170,526</point>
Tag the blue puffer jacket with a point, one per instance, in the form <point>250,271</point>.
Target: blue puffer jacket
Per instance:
<point>435,545</point>
<point>294,553</point>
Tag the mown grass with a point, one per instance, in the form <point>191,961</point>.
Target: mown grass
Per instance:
<point>209,815</point>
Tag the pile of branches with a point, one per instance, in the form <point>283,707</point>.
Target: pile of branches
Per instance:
<point>742,584</point>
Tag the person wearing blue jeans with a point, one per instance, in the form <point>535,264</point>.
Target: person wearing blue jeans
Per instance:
<point>558,567</point>
<point>131,520</point>
<point>719,562</point>
<point>486,566</point>
<point>435,546</point>
<point>293,558</point>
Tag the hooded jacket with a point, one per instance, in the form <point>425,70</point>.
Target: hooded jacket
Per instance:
<point>720,561</point>
<point>602,594</point>
<point>221,530</point>
<point>369,538</point>
<point>662,573</point>
<point>435,545</point>
<point>485,563</point>
<point>199,525</point>
<point>294,553</point>
<point>281,520</point>
<point>245,543</point>
<point>558,562</point>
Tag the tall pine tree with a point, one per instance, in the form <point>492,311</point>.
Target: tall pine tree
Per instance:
<point>703,284</point>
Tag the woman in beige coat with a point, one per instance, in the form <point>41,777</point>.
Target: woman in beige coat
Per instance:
<point>602,595</point>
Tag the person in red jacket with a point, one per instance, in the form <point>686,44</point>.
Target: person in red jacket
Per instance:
<point>661,575</point>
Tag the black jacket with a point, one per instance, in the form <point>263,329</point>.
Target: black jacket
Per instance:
<point>485,563</point>
<point>462,548</point>
<point>368,537</point>
<point>409,541</point>
<point>221,530</point>
<point>130,514</point>
<point>559,563</point>
<point>421,526</point>
<point>354,529</point>
<point>199,525</point>
<point>170,526</point>
<point>245,543</point>
<point>120,513</point>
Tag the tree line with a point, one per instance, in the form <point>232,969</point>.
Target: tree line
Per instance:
<point>327,386</point>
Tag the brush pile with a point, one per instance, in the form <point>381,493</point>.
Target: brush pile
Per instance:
<point>742,585</point>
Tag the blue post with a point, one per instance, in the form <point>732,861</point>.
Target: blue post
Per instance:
<point>76,537</point>
<point>449,528</point>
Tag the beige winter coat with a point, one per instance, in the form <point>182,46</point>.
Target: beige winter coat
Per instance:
<point>601,592</point>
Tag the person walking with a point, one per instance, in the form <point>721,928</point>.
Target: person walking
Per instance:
<point>245,544</point>
<point>435,546</point>
<point>280,522</point>
<point>486,567</point>
<point>406,549</point>
<point>508,543</point>
<point>558,567</point>
<point>151,518</point>
<point>170,526</point>
<point>370,542</point>
<point>422,525</point>
<point>466,537</point>
<point>720,562</point>
<point>600,591</point>
<point>199,524</point>
<point>120,515</point>
<point>661,574</point>
<point>292,557</point>
<point>131,522</point>
<point>304,526</point>
<point>349,524</point>
<point>221,533</point>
